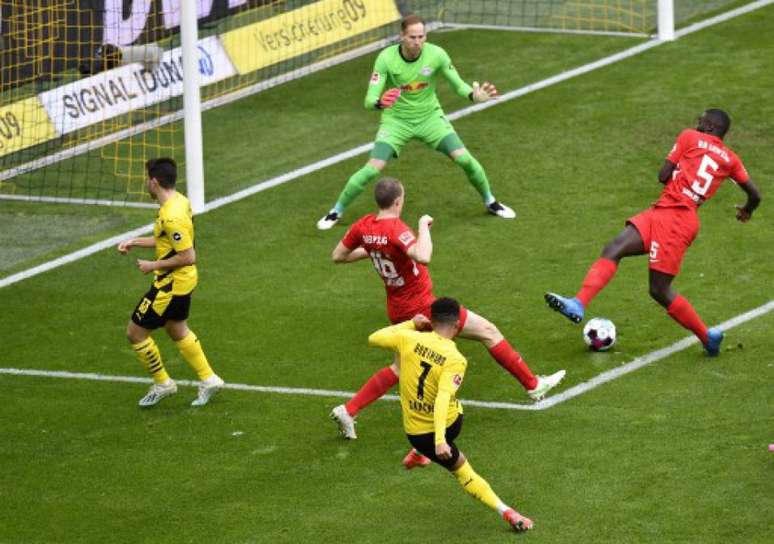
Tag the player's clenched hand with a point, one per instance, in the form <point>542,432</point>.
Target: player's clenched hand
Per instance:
<point>146,266</point>
<point>425,221</point>
<point>421,323</point>
<point>483,93</point>
<point>443,451</point>
<point>742,214</point>
<point>124,246</point>
<point>389,98</point>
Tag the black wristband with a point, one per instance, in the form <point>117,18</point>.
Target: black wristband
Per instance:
<point>470,96</point>
<point>378,105</point>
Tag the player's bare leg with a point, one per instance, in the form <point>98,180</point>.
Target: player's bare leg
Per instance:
<point>355,185</point>
<point>476,176</point>
<point>626,244</point>
<point>484,331</point>
<point>679,309</point>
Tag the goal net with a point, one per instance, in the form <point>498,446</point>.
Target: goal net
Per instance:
<point>91,89</point>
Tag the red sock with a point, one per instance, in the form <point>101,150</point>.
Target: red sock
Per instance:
<point>681,311</point>
<point>511,361</point>
<point>376,386</point>
<point>599,275</point>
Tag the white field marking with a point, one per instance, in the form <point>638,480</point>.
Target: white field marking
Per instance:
<point>538,30</point>
<point>544,404</point>
<point>88,376</point>
<point>91,201</point>
<point>648,359</point>
<point>284,178</point>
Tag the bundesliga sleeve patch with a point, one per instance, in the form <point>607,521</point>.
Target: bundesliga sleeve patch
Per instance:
<point>176,236</point>
<point>457,381</point>
<point>375,78</point>
<point>406,237</point>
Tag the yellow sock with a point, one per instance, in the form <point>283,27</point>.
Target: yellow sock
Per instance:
<point>150,358</point>
<point>191,350</point>
<point>475,485</point>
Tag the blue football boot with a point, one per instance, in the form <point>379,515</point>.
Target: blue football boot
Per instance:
<point>714,338</point>
<point>571,308</point>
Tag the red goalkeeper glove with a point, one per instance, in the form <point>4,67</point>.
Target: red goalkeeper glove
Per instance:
<point>389,98</point>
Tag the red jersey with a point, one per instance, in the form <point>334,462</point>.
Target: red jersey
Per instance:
<point>703,162</point>
<point>408,285</point>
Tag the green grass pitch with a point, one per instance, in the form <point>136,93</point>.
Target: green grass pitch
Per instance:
<point>675,452</point>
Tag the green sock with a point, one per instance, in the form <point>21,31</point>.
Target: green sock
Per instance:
<point>476,176</point>
<point>355,186</point>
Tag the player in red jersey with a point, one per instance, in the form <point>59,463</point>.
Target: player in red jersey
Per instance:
<point>692,172</point>
<point>400,258</point>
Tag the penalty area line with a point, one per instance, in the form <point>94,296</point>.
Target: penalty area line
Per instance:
<point>302,391</point>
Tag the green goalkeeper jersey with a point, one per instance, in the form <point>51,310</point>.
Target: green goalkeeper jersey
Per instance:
<point>416,80</point>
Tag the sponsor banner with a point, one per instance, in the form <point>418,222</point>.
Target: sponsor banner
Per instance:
<point>130,87</point>
<point>23,124</point>
<point>304,30</point>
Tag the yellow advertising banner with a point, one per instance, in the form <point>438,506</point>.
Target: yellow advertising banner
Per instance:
<point>303,30</point>
<point>24,124</point>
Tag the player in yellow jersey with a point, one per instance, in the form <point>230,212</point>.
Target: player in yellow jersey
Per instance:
<point>168,301</point>
<point>431,372</point>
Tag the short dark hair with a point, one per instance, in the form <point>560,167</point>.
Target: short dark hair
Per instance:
<point>720,119</point>
<point>163,170</point>
<point>445,311</point>
<point>409,20</point>
<point>386,191</point>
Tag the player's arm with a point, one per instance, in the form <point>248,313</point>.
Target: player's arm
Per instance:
<point>185,257</point>
<point>744,213</point>
<point>449,382</point>
<point>665,174</point>
<point>476,93</point>
<point>144,241</point>
<point>342,254</point>
<point>389,337</point>
<point>422,250</point>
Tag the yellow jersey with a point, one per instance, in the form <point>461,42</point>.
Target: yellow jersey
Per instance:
<point>173,233</point>
<point>431,372</point>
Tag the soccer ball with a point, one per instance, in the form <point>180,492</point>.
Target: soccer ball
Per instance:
<point>599,334</point>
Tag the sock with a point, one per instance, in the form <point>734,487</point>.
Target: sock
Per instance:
<point>376,386</point>
<point>475,485</point>
<point>191,350</point>
<point>681,311</point>
<point>150,358</point>
<point>476,176</point>
<point>355,186</point>
<point>511,361</point>
<point>599,275</point>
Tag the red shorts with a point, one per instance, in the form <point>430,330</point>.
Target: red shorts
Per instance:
<point>426,312</point>
<point>666,235</point>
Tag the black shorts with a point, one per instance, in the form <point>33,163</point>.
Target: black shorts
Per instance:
<point>159,305</point>
<point>425,444</point>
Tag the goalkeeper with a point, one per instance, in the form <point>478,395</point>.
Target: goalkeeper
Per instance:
<point>410,110</point>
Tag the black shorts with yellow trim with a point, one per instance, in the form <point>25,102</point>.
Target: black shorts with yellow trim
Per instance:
<point>425,444</point>
<point>159,305</point>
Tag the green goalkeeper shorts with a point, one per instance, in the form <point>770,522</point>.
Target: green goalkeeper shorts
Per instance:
<point>434,130</point>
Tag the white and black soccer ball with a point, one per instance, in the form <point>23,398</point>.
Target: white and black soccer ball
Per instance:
<point>599,334</point>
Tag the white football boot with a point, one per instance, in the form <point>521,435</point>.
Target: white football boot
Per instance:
<point>157,392</point>
<point>545,384</point>
<point>501,210</point>
<point>207,389</point>
<point>345,421</point>
<point>330,219</point>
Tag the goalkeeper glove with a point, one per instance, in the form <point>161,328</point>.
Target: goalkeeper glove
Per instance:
<point>388,99</point>
<point>483,93</point>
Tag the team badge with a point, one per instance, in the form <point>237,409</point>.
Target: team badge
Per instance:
<point>426,71</point>
<point>375,78</point>
<point>406,237</point>
<point>457,380</point>
<point>177,236</point>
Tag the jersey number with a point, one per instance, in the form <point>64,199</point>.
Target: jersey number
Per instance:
<point>426,368</point>
<point>383,265</point>
<point>706,163</point>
